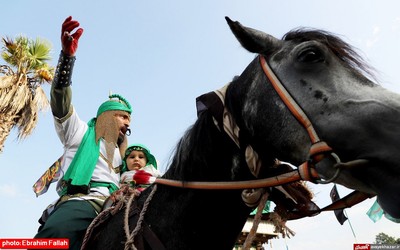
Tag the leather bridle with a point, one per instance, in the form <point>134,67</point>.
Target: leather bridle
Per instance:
<point>318,151</point>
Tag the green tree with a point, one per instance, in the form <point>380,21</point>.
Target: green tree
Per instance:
<point>383,238</point>
<point>22,96</point>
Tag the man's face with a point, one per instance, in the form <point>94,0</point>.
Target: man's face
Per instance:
<point>123,120</point>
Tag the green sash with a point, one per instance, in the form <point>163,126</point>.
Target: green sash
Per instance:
<point>82,166</point>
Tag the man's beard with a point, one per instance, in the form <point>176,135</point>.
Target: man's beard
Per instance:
<point>120,139</point>
<point>108,129</point>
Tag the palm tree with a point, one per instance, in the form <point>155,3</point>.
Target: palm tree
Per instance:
<point>21,94</point>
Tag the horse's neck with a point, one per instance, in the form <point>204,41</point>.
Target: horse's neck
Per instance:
<point>188,216</point>
<point>185,218</point>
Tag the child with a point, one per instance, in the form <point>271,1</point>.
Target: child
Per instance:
<point>139,167</point>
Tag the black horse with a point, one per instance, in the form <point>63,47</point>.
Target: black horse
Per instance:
<point>243,128</point>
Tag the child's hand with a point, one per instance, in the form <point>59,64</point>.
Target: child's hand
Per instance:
<point>142,177</point>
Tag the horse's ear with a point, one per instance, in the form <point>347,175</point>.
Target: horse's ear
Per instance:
<point>253,40</point>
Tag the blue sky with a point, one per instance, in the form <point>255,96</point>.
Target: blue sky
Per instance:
<point>161,55</point>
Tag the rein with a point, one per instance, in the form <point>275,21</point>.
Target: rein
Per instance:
<point>278,180</point>
<point>348,201</point>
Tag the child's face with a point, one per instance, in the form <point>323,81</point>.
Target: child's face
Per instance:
<point>136,160</point>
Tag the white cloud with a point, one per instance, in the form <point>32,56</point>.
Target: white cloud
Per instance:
<point>8,190</point>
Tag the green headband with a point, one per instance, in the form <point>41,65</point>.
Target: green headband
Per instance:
<point>121,104</point>
<point>139,147</point>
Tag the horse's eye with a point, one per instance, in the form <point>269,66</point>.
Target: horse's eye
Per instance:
<point>311,56</point>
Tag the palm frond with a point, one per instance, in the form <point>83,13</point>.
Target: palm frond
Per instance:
<point>40,99</point>
<point>6,70</point>
<point>8,58</point>
<point>9,48</point>
<point>6,81</point>
<point>15,52</point>
<point>39,53</point>
<point>45,73</point>
<point>27,121</point>
<point>7,97</point>
<point>22,95</point>
<point>29,114</point>
<point>25,54</point>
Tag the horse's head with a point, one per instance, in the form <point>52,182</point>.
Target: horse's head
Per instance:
<point>357,118</point>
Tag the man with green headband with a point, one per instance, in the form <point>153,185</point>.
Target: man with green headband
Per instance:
<point>93,151</point>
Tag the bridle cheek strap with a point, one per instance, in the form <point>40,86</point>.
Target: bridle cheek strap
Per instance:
<point>289,101</point>
<point>318,149</point>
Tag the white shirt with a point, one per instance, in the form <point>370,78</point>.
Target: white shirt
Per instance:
<point>71,132</point>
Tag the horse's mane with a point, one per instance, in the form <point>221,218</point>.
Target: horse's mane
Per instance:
<point>189,152</point>
<point>344,51</point>
<point>190,148</point>
<point>202,150</point>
